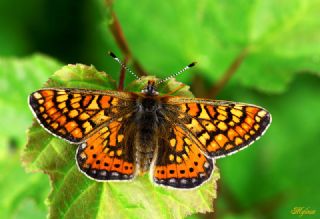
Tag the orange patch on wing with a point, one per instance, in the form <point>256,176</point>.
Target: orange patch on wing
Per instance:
<point>77,133</point>
<point>221,139</point>
<point>51,111</point>
<point>193,109</point>
<point>249,121</point>
<point>114,129</point>
<point>61,120</point>
<point>48,104</point>
<point>96,140</point>
<point>193,172</point>
<point>201,161</point>
<point>113,125</point>
<point>179,145</point>
<point>213,146</point>
<point>113,139</point>
<point>182,170</point>
<point>179,139</point>
<point>211,111</point>
<point>173,169</point>
<point>160,172</point>
<point>71,125</point>
<point>127,168</point>
<point>196,160</point>
<point>106,163</point>
<point>89,158</point>
<point>117,165</point>
<point>245,127</point>
<point>94,154</point>
<point>86,100</point>
<point>55,116</point>
<point>189,163</point>
<point>96,162</point>
<point>240,131</point>
<point>232,134</point>
<point>252,110</point>
<point>104,101</point>
<point>47,93</point>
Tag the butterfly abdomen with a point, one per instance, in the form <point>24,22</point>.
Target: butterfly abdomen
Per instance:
<point>145,146</point>
<point>147,125</point>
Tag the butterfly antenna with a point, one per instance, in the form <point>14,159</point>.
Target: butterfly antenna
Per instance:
<point>123,65</point>
<point>177,73</point>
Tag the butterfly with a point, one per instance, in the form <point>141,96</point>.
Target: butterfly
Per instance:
<point>123,134</point>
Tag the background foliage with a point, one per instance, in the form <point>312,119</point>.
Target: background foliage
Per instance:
<point>275,51</point>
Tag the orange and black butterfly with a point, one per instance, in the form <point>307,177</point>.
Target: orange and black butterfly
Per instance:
<point>122,134</point>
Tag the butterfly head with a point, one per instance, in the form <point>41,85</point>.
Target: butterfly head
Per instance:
<point>150,89</point>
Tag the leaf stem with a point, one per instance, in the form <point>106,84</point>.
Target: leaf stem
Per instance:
<point>213,92</point>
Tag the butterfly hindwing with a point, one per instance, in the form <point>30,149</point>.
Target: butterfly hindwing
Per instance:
<point>221,127</point>
<point>179,162</point>
<point>108,154</point>
<point>74,114</point>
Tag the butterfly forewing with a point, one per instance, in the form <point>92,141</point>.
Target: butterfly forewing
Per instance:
<point>75,114</point>
<point>221,127</point>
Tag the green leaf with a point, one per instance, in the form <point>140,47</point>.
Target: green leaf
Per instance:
<point>19,77</point>
<point>19,190</point>
<point>281,38</point>
<point>75,195</point>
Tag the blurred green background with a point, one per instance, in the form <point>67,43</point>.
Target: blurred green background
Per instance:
<point>280,71</point>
